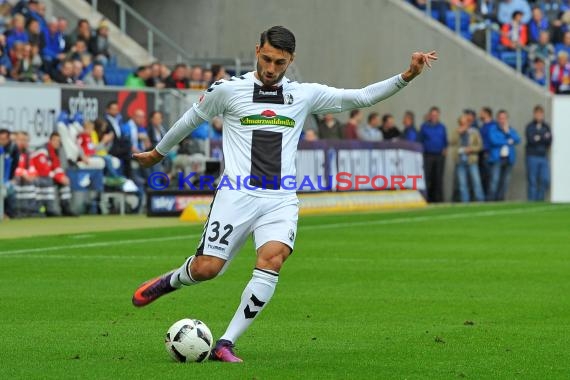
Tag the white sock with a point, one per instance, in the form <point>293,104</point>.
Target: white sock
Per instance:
<point>182,275</point>
<point>255,296</point>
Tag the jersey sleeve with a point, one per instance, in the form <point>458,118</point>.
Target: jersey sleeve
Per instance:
<point>324,99</point>
<point>214,100</point>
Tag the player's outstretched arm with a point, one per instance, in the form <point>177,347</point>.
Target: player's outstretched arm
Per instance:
<point>376,92</point>
<point>419,61</point>
<point>182,128</point>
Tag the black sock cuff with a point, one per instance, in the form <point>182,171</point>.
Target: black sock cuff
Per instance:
<point>267,271</point>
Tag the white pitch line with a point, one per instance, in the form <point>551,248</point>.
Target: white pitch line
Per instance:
<point>95,245</point>
<point>426,218</point>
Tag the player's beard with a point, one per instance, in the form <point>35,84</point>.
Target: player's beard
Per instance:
<point>273,81</point>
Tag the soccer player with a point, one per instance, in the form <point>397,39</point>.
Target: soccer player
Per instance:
<point>263,116</point>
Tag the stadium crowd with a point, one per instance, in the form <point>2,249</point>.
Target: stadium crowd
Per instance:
<point>541,27</point>
<point>36,49</point>
<point>481,147</point>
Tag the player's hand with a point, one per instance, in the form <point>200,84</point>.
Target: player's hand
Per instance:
<point>419,61</point>
<point>148,159</point>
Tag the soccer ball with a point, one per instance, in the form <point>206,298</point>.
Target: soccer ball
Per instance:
<point>189,340</point>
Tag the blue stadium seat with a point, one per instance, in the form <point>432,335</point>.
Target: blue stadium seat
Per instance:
<point>116,76</point>
<point>495,43</point>
<point>464,21</point>
<point>435,14</point>
<point>510,58</point>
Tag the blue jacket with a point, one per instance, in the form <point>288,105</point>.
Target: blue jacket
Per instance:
<point>14,37</point>
<point>411,134</point>
<point>433,137</point>
<point>55,44</point>
<point>498,139</point>
<point>485,134</point>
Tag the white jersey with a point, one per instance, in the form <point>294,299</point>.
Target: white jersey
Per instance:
<point>262,127</point>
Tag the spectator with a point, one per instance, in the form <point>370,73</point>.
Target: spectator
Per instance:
<point>466,144</point>
<point>82,32</point>
<point>489,9</point>
<point>502,156</point>
<point>156,130</point>
<point>537,25</point>
<point>216,128</point>
<point>121,146</point>
<point>542,49</point>
<point>52,178</point>
<point>5,63</point>
<point>538,72</point>
<point>155,79</point>
<point>94,142</point>
<point>467,5</point>
<point>352,125</point>
<point>135,128</point>
<point>508,7</point>
<point>388,128</point>
<point>552,8</point>
<point>138,78</point>
<point>433,137</point>
<point>78,71</point>
<point>65,73</point>
<point>514,34</point>
<point>96,77</point>
<point>11,153</point>
<point>330,128</point>
<point>178,78</point>
<point>560,26</point>
<point>18,32</point>
<point>410,132</point>
<point>218,72</point>
<point>538,140</point>
<point>25,177</point>
<point>487,123</point>
<point>35,35</point>
<point>54,50</point>
<point>471,118</point>
<point>62,26</point>
<point>370,131</point>
<point>207,77</point>
<point>196,82</point>
<point>37,12</point>
<point>310,135</point>
<point>79,52</point>
<point>99,43</point>
<point>560,75</point>
<point>27,66</point>
<point>565,45</point>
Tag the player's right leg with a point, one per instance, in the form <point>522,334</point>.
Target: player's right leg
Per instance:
<point>194,270</point>
<point>226,229</point>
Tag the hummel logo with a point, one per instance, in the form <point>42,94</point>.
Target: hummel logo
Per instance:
<point>272,93</point>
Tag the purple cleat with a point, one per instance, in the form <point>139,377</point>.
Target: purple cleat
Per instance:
<point>223,352</point>
<point>153,289</point>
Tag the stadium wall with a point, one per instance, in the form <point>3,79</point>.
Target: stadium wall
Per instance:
<point>358,42</point>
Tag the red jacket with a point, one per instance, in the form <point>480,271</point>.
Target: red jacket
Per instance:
<point>26,165</point>
<point>86,143</point>
<point>46,161</point>
<point>506,36</point>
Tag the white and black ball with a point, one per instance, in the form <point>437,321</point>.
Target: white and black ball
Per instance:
<point>189,340</point>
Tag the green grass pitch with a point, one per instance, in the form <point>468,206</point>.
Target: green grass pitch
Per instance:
<point>479,292</point>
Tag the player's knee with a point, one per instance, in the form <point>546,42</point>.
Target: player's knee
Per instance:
<point>272,257</point>
<point>206,267</point>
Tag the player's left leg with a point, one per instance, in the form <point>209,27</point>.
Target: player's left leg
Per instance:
<point>274,235</point>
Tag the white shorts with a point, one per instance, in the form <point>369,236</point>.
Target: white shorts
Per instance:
<point>234,215</point>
